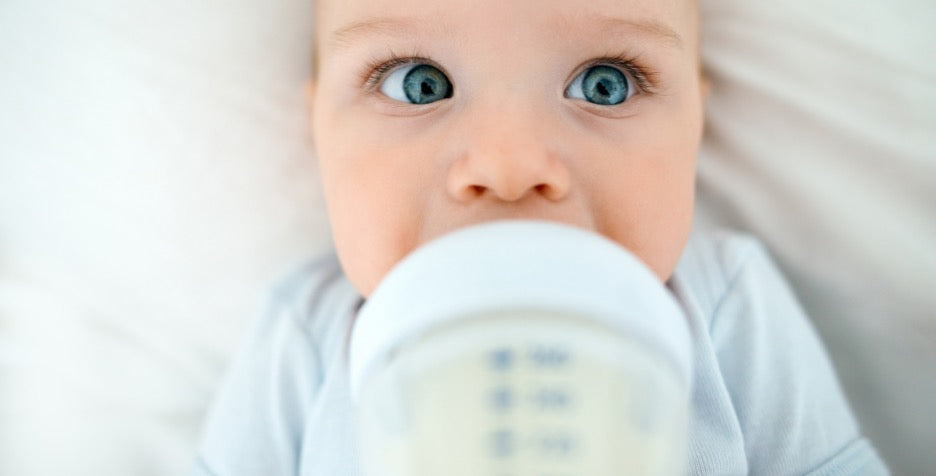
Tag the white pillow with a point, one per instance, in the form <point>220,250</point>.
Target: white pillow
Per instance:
<point>155,178</point>
<point>821,139</point>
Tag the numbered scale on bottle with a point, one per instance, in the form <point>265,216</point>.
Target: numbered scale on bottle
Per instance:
<point>524,395</point>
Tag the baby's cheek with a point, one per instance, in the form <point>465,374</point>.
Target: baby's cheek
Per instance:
<point>372,237</point>
<point>360,259</point>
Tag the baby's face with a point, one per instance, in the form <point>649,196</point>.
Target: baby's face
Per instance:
<point>430,115</point>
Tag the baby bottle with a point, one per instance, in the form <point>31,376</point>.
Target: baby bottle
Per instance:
<point>521,348</point>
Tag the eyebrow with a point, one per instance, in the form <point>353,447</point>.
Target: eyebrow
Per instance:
<point>402,26</point>
<point>388,26</point>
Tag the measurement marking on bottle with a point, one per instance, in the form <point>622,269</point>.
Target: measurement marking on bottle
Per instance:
<point>501,359</point>
<point>548,356</point>
<point>550,398</point>
<point>502,444</point>
<point>559,444</point>
<point>501,398</point>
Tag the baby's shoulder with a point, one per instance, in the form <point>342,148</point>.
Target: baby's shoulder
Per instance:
<point>719,249</point>
<point>713,265</point>
<point>317,297</point>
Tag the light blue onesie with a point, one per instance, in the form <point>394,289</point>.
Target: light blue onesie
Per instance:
<point>765,398</point>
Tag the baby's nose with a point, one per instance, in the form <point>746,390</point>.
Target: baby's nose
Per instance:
<point>508,164</point>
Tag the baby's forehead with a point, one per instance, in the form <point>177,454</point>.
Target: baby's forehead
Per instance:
<point>339,21</point>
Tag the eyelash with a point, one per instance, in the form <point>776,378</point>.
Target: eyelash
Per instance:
<point>377,69</point>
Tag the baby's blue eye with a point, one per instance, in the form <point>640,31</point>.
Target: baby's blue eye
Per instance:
<point>603,85</point>
<point>417,84</point>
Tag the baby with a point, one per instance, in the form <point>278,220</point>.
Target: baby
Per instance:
<point>430,116</point>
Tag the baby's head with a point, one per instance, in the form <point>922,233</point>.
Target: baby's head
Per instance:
<point>429,116</point>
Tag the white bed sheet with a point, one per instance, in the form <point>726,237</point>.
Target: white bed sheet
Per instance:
<point>155,177</point>
<point>821,139</point>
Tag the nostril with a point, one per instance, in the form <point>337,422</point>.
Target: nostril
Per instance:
<point>478,190</point>
<point>551,192</point>
<point>545,190</point>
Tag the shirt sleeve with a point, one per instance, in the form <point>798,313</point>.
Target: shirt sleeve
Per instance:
<point>255,424</point>
<point>793,415</point>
